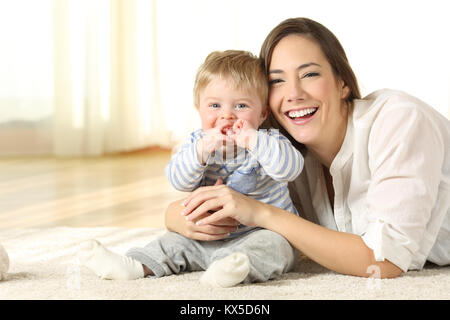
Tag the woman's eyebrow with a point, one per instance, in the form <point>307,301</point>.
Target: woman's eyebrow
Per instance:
<point>303,66</point>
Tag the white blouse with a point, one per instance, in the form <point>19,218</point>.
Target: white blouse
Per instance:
<point>391,179</point>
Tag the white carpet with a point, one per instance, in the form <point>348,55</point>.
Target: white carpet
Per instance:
<point>43,265</point>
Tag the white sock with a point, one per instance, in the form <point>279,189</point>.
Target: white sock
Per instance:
<point>227,272</point>
<point>107,264</point>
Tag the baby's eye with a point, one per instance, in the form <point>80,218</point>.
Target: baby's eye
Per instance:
<point>214,105</point>
<point>241,106</point>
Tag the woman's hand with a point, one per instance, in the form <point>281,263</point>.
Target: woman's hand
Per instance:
<point>226,203</point>
<point>178,223</point>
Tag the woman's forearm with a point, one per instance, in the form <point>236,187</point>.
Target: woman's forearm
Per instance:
<point>338,251</point>
<point>172,216</point>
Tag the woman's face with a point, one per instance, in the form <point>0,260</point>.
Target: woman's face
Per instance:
<point>305,96</point>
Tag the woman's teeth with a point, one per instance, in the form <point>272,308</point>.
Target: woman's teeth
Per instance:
<point>301,113</point>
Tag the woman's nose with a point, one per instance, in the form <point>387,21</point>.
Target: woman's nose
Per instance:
<point>294,91</point>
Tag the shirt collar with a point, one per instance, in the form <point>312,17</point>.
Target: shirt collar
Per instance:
<point>346,150</point>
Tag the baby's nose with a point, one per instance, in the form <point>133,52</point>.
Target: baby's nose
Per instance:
<point>227,115</point>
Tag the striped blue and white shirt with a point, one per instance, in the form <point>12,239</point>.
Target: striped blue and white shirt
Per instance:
<point>262,174</point>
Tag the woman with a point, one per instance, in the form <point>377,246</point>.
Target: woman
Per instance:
<point>375,189</point>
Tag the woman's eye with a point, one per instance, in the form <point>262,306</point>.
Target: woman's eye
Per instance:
<point>310,75</point>
<point>241,106</point>
<point>274,81</point>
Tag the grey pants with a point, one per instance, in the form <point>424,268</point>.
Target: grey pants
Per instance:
<point>269,253</point>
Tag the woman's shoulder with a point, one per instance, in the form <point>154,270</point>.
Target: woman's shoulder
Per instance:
<point>391,117</point>
<point>385,102</point>
<point>387,98</point>
<point>387,94</point>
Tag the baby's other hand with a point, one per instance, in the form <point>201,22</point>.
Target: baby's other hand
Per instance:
<point>245,135</point>
<point>213,140</point>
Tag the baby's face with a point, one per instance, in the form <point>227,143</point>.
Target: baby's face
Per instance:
<point>221,103</point>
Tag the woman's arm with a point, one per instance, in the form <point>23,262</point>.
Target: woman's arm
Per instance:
<point>338,251</point>
<point>344,253</point>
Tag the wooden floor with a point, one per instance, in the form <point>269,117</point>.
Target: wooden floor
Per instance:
<point>127,190</point>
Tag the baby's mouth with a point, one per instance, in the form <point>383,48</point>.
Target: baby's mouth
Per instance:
<point>228,130</point>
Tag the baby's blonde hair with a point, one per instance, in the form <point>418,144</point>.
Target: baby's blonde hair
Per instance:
<point>242,67</point>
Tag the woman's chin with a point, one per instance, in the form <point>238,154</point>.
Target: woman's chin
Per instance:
<point>301,135</point>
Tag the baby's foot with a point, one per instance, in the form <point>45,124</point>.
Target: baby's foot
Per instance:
<point>227,272</point>
<point>107,264</point>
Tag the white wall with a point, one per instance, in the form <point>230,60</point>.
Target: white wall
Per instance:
<point>398,44</point>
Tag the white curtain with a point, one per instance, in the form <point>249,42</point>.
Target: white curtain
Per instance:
<point>106,97</point>
<point>94,78</point>
<point>89,77</point>
<point>26,77</point>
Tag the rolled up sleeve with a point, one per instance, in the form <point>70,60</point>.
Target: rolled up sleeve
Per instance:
<point>391,244</point>
<point>405,159</point>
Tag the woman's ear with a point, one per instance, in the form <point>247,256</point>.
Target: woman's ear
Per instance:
<point>345,90</point>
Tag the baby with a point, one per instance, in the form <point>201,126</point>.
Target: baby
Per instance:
<point>230,95</point>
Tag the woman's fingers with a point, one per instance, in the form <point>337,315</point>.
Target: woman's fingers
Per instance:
<point>205,208</point>
<point>208,232</point>
<point>186,201</point>
<point>199,196</point>
<point>234,205</point>
<point>219,227</point>
<point>177,223</point>
<point>227,222</point>
<point>212,219</point>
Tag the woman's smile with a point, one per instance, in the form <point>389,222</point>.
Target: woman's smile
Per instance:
<point>301,116</point>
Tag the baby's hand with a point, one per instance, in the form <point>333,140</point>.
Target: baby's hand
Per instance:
<point>213,140</point>
<point>245,135</point>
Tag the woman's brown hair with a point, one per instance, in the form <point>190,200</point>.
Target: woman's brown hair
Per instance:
<point>329,44</point>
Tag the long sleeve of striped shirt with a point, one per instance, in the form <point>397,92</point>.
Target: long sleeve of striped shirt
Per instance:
<point>184,171</point>
<point>277,156</point>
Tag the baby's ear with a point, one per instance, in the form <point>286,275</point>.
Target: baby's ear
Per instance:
<point>265,113</point>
